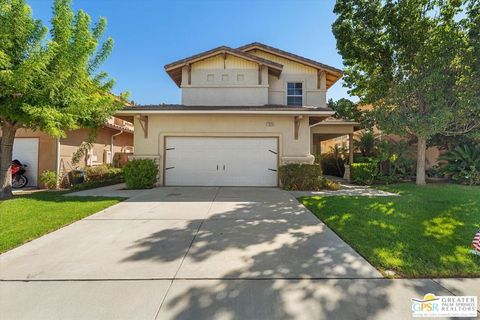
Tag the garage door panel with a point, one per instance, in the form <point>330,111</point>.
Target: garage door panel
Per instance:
<point>240,161</point>
<point>26,151</point>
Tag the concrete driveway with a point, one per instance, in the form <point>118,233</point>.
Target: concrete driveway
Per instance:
<point>202,253</point>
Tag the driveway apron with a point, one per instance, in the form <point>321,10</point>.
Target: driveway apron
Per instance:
<point>178,238</point>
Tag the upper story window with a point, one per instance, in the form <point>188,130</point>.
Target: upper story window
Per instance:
<point>294,93</point>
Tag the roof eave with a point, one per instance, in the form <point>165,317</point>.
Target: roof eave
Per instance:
<point>287,55</point>
<point>224,112</point>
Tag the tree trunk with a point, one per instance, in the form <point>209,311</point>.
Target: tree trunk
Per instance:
<point>421,149</point>
<point>6,148</point>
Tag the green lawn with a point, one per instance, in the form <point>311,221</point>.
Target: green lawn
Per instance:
<point>24,218</point>
<point>426,232</point>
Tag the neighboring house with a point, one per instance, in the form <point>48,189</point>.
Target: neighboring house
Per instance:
<point>244,112</point>
<point>42,152</point>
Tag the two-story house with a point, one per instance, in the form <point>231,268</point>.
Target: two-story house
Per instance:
<point>244,112</point>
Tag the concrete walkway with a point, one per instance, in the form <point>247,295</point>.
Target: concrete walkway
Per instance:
<point>202,253</point>
<point>347,189</point>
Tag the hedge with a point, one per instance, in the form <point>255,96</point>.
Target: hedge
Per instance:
<point>304,177</point>
<point>140,173</point>
<point>103,173</point>
<point>99,176</point>
<point>363,173</point>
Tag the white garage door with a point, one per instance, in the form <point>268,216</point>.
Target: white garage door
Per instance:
<point>211,161</point>
<point>26,151</point>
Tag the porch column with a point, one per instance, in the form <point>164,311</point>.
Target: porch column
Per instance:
<point>346,174</point>
<point>350,148</point>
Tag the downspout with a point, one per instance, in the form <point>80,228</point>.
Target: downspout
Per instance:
<point>111,145</point>
<point>58,157</point>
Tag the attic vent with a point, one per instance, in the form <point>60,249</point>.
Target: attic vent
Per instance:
<point>210,77</point>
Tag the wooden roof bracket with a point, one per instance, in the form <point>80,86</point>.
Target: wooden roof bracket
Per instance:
<point>189,70</point>
<point>321,80</point>
<point>143,120</point>
<point>259,74</point>
<point>297,120</point>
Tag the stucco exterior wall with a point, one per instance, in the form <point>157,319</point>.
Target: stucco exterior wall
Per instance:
<point>225,96</point>
<point>160,126</point>
<point>74,139</point>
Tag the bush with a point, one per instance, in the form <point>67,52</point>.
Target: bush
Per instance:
<point>49,179</point>
<point>96,177</point>
<point>363,173</point>
<point>395,158</point>
<point>361,159</point>
<point>140,173</point>
<point>463,164</point>
<point>305,177</point>
<point>103,173</point>
<point>434,172</point>
<point>332,165</point>
<point>331,185</point>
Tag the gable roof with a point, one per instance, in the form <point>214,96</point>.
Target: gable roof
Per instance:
<point>174,69</point>
<point>333,74</point>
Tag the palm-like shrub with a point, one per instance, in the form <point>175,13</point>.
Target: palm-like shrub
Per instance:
<point>365,143</point>
<point>463,164</point>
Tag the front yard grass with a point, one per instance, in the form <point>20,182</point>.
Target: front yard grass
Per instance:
<point>426,232</point>
<point>26,217</point>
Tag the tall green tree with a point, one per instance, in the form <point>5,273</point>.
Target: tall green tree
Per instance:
<point>349,110</point>
<point>50,84</point>
<point>417,62</point>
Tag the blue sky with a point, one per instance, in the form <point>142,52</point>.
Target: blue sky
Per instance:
<point>151,33</point>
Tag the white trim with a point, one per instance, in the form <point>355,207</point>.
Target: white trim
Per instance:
<point>307,113</point>
<point>327,123</point>
<point>223,86</point>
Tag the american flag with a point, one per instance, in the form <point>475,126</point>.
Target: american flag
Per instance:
<point>476,242</point>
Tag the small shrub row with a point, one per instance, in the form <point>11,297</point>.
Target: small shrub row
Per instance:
<point>363,173</point>
<point>140,173</point>
<point>103,173</point>
<point>330,185</point>
<point>93,184</point>
<point>301,177</point>
<point>99,176</point>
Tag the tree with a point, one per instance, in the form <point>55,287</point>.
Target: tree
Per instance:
<point>349,110</point>
<point>417,62</point>
<point>50,84</point>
